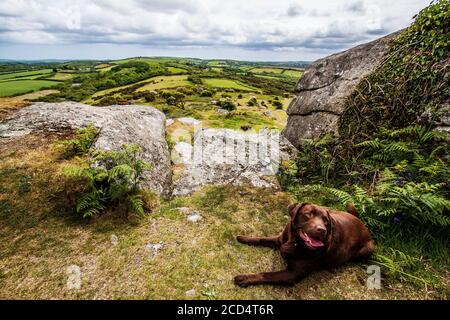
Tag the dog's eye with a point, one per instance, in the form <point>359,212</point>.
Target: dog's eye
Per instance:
<point>308,215</point>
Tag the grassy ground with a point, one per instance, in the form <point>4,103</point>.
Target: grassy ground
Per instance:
<point>27,74</point>
<point>165,82</point>
<point>41,236</point>
<point>228,84</point>
<point>9,88</point>
<point>176,70</point>
<point>61,76</point>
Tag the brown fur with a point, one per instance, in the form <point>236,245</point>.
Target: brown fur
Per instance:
<point>344,237</point>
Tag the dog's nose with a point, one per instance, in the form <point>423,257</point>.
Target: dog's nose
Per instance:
<point>321,229</point>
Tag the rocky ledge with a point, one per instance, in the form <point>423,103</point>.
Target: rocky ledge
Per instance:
<point>325,85</point>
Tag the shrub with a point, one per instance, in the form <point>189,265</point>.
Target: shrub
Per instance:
<point>252,102</point>
<point>227,104</point>
<point>112,180</point>
<point>83,142</point>
<point>277,104</point>
<point>149,97</point>
<point>398,181</point>
<point>412,78</point>
<point>206,93</point>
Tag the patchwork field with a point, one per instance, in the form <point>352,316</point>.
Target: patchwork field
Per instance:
<point>180,87</point>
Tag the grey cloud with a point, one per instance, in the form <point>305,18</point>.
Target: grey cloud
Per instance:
<point>167,6</point>
<point>357,7</point>
<point>323,25</point>
<point>294,10</point>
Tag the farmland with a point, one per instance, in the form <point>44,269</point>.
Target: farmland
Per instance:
<point>228,84</point>
<point>11,88</point>
<point>24,74</point>
<point>255,95</point>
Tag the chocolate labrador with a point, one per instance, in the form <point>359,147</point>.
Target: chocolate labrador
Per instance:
<point>315,238</point>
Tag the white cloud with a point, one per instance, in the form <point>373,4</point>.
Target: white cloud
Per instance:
<point>260,25</point>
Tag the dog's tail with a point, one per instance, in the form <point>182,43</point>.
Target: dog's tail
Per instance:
<point>351,209</point>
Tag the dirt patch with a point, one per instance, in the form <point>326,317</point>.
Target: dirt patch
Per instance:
<point>37,94</point>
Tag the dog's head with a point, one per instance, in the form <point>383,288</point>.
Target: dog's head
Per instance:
<point>310,224</point>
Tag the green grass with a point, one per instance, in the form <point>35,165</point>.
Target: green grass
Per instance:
<point>15,87</point>
<point>228,84</point>
<point>176,70</point>
<point>292,73</point>
<point>235,120</point>
<point>278,71</point>
<point>267,70</point>
<point>27,74</point>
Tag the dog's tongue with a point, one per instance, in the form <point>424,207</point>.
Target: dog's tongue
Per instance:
<point>313,242</point>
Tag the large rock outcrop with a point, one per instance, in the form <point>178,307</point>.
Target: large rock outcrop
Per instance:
<point>126,124</point>
<point>223,156</point>
<point>325,85</point>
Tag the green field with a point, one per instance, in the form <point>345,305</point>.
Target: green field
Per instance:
<point>228,84</point>
<point>292,73</point>
<point>278,71</point>
<point>11,88</point>
<point>266,70</point>
<point>176,70</point>
<point>25,74</point>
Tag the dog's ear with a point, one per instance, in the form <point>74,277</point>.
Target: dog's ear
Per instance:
<point>291,209</point>
<point>295,208</point>
<point>330,221</point>
<point>351,209</point>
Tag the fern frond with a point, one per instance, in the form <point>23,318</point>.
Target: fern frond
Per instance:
<point>136,204</point>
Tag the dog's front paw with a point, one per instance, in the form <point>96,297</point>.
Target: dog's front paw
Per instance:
<point>241,239</point>
<point>242,280</point>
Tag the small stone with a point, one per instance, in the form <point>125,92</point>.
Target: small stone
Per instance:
<point>190,121</point>
<point>114,240</point>
<point>190,293</point>
<point>222,111</point>
<point>184,209</point>
<point>194,217</point>
<point>153,248</point>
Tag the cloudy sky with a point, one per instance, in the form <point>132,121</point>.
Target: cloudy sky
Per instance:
<point>235,29</point>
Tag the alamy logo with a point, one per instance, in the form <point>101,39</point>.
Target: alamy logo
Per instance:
<point>374,279</point>
<point>73,277</point>
<point>73,21</point>
<point>226,147</point>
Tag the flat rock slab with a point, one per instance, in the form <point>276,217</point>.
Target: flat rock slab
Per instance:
<point>223,156</point>
<point>119,125</point>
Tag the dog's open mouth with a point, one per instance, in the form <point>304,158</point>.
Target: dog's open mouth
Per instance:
<point>311,242</point>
